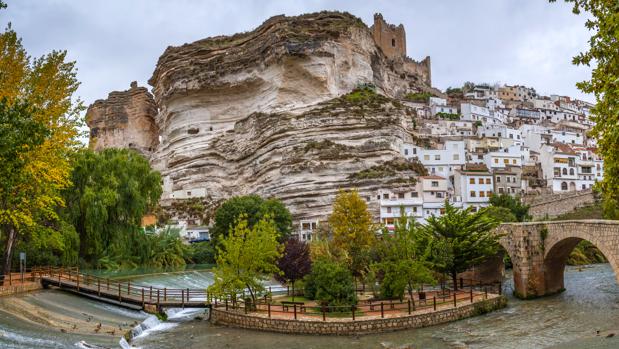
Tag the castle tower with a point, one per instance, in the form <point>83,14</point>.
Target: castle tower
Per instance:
<point>390,39</point>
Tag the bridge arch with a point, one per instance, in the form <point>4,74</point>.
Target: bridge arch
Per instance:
<point>539,251</point>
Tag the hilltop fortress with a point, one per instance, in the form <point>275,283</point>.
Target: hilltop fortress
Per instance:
<point>269,112</point>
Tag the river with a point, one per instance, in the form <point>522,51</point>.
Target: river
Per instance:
<point>564,321</point>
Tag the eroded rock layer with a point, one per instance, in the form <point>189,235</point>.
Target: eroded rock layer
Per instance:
<point>303,159</point>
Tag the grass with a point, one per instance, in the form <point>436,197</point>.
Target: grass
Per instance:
<point>289,299</point>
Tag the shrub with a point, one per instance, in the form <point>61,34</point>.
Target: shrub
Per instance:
<point>331,284</point>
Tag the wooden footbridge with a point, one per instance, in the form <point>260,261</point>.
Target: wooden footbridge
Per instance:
<point>152,299</point>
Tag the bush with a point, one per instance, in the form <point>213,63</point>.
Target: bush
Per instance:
<point>331,284</point>
<point>202,253</point>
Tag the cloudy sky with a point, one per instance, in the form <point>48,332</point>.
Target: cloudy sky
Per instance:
<point>114,42</point>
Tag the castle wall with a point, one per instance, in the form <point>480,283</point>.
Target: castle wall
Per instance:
<point>390,39</point>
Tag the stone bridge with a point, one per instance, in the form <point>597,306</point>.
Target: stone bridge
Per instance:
<point>539,251</point>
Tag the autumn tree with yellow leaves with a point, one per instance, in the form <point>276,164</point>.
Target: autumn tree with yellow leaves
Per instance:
<point>39,90</point>
<point>352,230</point>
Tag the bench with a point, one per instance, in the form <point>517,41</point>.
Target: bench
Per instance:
<point>287,304</point>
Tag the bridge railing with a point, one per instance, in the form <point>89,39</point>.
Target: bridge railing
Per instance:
<point>123,291</point>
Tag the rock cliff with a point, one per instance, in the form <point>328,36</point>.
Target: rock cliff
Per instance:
<point>124,120</point>
<point>271,112</point>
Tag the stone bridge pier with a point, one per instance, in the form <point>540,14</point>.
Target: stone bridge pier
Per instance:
<point>539,251</point>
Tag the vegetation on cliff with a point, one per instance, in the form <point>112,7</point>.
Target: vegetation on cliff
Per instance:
<point>392,169</point>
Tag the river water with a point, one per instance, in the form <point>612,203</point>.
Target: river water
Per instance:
<point>565,321</point>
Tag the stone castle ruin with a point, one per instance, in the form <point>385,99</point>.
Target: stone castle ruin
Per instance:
<point>392,41</point>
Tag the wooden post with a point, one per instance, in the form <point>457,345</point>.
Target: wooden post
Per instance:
<point>471,292</point>
<point>295,311</point>
<point>187,295</point>
<point>324,316</point>
<point>157,298</point>
<point>287,290</point>
<point>500,287</point>
<point>142,297</point>
<point>165,294</point>
<point>269,308</point>
<point>409,307</point>
<point>226,304</point>
<point>455,301</point>
<point>352,308</point>
<point>78,282</point>
<point>434,302</point>
<point>129,287</point>
<point>382,311</point>
<point>150,294</point>
<point>119,298</point>
<point>485,293</point>
<point>98,287</point>
<point>108,284</point>
<point>413,301</point>
<point>183,298</point>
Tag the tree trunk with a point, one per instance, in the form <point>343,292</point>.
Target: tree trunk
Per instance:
<point>293,290</point>
<point>454,277</point>
<point>11,234</point>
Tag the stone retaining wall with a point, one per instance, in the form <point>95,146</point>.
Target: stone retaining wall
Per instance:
<point>11,290</point>
<point>358,327</point>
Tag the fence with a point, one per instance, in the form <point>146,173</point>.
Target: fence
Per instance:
<point>426,298</point>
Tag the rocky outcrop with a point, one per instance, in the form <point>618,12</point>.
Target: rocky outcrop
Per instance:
<point>271,112</point>
<point>126,119</point>
<point>303,159</point>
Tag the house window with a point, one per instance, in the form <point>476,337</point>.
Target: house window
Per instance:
<point>385,196</point>
<point>389,209</point>
<point>435,183</point>
<point>188,193</point>
<point>400,195</point>
<point>571,171</point>
<point>393,42</point>
<point>377,197</point>
<point>481,181</point>
<point>472,180</point>
<point>563,186</point>
<point>439,195</point>
<point>473,193</point>
<point>489,193</point>
<point>488,181</point>
<point>456,156</point>
<point>508,179</point>
<point>415,209</point>
<point>564,171</point>
<point>501,190</point>
<point>514,161</point>
<point>498,179</point>
<point>414,194</point>
<point>506,161</point>
<point>482,194</point>
<point>405,151</point>
<point>496,161</point>
<point>305,226</point>
<point>426,157</point>
<point>437,157</point>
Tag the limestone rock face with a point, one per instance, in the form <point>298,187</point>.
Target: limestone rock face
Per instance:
<point>302,159</point>
<point>271,112</point>
<point>126,119</point>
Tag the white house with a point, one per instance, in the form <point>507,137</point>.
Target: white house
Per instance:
<point>441,162</point>
<point>474,184</point>
<point>474,112</point>
<point>558,162</point>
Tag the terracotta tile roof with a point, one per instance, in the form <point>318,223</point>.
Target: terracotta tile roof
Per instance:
<point>432,177</point>
<point>563,148</point>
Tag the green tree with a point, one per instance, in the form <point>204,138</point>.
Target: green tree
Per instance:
<point>404,259</point>
<point>352,229</point>
<point>461,239</point>
<point>330,283</point>
<point>603,56</point>
<point>514,205</point>
<point>47,84</point>
<point>255,209</point>
<point>246,258</point>
<point>500,214</point>
<point>294,263</point>
<point>112,190</point>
